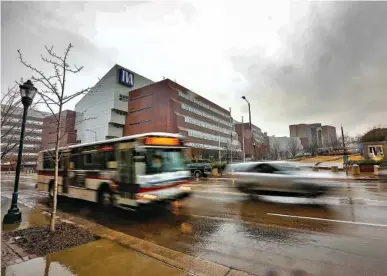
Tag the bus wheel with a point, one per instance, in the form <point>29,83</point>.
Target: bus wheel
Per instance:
<point>105,198</point>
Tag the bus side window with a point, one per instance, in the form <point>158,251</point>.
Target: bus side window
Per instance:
<point>108,159</point>
<point>91,160</point>
<point>75,160</point>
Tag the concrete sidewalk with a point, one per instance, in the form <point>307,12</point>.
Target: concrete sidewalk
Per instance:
<point>115,253</point>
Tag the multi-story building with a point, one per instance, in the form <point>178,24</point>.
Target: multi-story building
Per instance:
<point>169,107</point>
<point>257,139</point>
<point>10,136</point>
<point>329,136</point>
<point>67,134</point>
<point>314,134</point>
<point>101,113</point>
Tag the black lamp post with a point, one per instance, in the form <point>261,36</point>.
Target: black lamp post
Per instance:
<point>251,129</point>
<point>27,92</point>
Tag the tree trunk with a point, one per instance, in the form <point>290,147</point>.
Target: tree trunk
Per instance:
<point>55,195</point>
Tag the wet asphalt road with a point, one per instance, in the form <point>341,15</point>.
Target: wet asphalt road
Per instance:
<point>327,236</point>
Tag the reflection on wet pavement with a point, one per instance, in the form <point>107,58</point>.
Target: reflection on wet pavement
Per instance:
<point>97,258</point>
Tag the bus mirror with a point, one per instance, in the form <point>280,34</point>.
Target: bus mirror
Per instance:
<point>112,165</point>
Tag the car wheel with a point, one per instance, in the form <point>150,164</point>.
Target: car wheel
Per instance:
<point>197,174</point>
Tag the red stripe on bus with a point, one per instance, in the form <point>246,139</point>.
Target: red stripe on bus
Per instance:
<point>151,189</point>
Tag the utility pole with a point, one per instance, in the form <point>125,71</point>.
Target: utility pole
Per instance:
<point>251,130</point>
<point>345,151</point>
<point>220,159</point>
<point>243,141</point>
<point>231,136</point>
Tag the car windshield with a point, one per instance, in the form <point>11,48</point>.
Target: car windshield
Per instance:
<point>164,160</point>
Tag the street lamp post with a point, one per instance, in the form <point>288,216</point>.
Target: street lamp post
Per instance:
<point>251,129</point>
<point>27,93</point>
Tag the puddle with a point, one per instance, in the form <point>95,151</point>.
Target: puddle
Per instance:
<point>30,218</point>
<point>96,258</point>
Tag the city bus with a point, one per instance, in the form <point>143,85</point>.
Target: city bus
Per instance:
<point>127,172</point>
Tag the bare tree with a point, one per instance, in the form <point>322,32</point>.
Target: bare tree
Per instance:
<point>55,96</point>
<point>312,148</point>
<point>274,151</point>
<point>294,147</point>
<point>11,119</point>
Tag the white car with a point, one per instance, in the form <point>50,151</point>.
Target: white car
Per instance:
<point>276,178</point>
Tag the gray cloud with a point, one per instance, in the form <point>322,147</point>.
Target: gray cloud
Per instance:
<point>333,69</point>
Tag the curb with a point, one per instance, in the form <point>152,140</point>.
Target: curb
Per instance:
<point>184,262</point>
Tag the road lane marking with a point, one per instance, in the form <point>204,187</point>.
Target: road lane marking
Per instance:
<point>329,220</point>
<point>287,198</point>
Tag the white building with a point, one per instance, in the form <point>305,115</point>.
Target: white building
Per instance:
<point>101,113</point>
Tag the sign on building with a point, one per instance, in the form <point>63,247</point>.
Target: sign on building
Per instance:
<point>126,78</point>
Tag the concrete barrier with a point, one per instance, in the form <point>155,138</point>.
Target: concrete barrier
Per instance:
<point>335,169</point>
<point>355,170</point>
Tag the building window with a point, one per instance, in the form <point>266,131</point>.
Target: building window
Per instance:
<point>119,112</point>
<point>141,122</point>
<point>117,125</point>
<point>139,97</point>
<point>123,98</point>
<point>204,114</point>
<point>185,96</point>
<point>194,121</point>
<point>140,109</point>
<point>211,137</point>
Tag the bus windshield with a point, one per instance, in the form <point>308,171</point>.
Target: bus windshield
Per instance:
<point>164,160</point>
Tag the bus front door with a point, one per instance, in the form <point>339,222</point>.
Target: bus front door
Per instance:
<point>124,177</point>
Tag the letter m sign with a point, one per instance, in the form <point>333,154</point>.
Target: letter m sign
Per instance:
<point>126,78</point>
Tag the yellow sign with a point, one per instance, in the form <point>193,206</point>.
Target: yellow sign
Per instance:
<point>162,141</point>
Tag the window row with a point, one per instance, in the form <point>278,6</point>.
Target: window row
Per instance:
<point>140,109</point>
<point>194,121</point>
<point>119,112</point>
<point>185,96</point>
<point>211,137</point>
<point>204,114</point>
<point>203,146</point>
<point>141,122</point>
<point>17,137</point>
<point>117,125</point>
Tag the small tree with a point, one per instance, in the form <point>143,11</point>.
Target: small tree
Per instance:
<point>55,96</point>
<point>294,147</point>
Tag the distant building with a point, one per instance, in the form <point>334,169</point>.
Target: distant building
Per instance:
<point>314,134</point>
<point>329,136</point>
<point>68,133</point>
<point>10,136</point>
<point>258,137</point>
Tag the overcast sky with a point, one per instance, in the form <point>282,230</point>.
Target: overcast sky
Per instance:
<point>296,62</point>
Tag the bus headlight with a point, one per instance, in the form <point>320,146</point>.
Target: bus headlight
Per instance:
<point>147,197</point>
<point>185,188</point>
